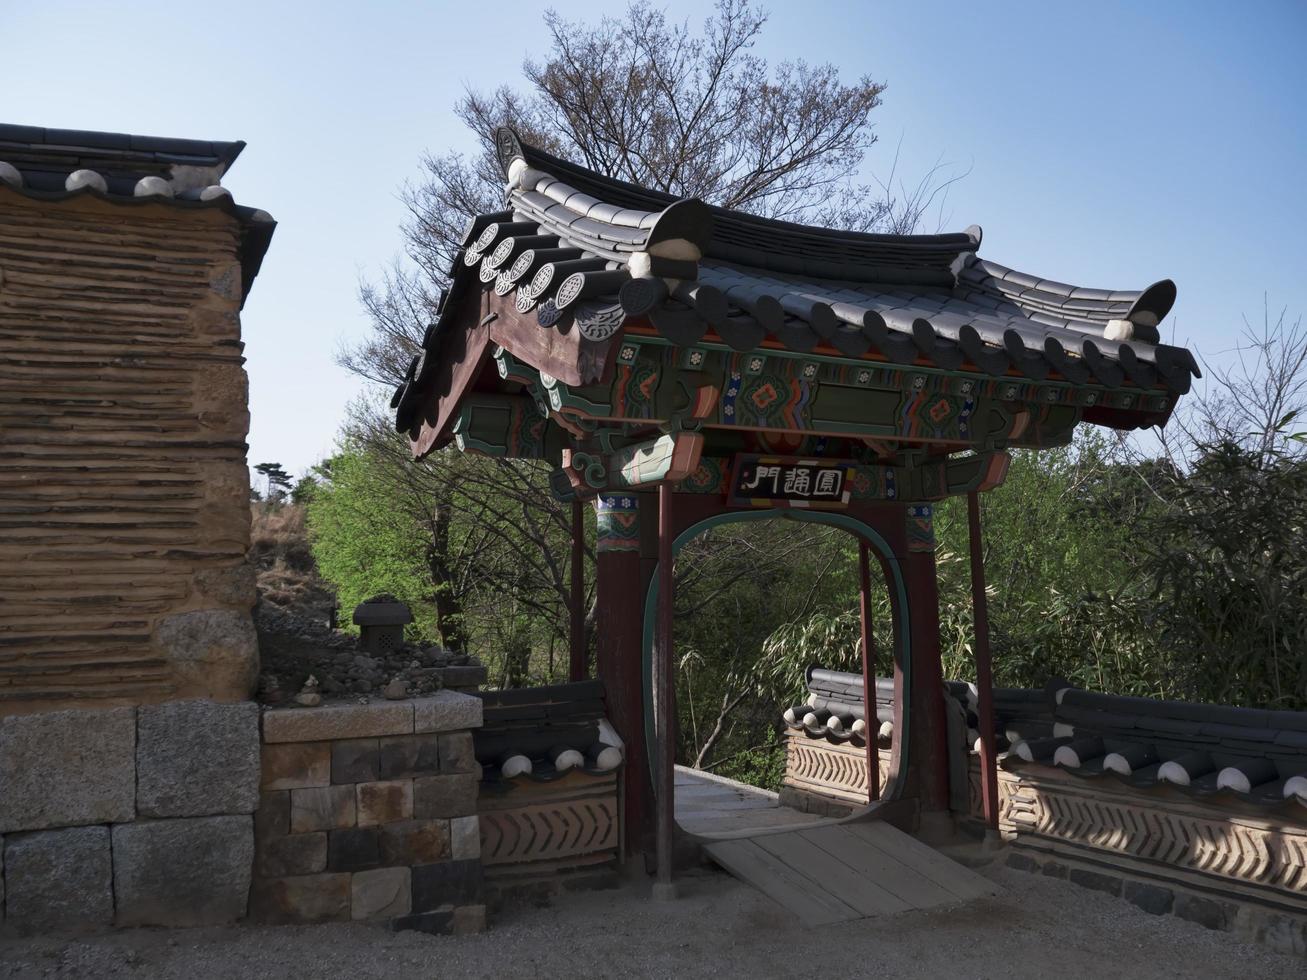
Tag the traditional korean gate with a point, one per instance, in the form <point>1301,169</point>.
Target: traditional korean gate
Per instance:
<point>638,343</point>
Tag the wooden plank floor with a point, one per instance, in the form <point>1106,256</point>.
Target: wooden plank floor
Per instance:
<point>712,806</point>
<point>839,872</point>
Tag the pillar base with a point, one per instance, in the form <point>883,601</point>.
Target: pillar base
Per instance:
<point>664,891</point>
<point>936,828</point>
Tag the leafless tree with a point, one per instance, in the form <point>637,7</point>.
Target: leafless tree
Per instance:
<point>1221,532</point>
<point>494,531</point>
<point>689,110</point>
<point>1253,396</point>
<point>1253,399</point>
<point>719,685</point>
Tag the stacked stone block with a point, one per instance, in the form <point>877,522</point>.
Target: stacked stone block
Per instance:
<point>127,816</point>
<point>368,812</point>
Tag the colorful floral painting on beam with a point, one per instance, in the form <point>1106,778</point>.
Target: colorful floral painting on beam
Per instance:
<point>618,522</point>
<point>921,527</point>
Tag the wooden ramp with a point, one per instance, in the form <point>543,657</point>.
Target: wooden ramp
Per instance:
<point>840,872</point>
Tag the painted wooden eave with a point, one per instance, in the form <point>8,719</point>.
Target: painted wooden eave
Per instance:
<point>583,258</point>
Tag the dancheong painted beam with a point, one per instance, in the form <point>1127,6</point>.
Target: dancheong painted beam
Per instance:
<point>617,332</point>
<point>614,315</point>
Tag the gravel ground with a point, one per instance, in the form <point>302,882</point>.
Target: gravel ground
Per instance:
<point>1040,927</point>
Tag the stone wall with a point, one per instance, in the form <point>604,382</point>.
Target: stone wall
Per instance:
<point>1226,865</point>
<point>826,777</point>
<point>1285,932</point>
<point>124,493</point>
<point>1239,851</point>
<point>540,838</point>
<point>369,811</point>
<point>127,816</point>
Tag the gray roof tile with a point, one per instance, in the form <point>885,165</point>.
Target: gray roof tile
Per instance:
<point>903,297</point>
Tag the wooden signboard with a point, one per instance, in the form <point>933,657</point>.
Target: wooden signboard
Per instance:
<point>787,481</point>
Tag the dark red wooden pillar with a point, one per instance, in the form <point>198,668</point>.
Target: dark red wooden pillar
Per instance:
<point>619,629</point>
<point>868,674</point>
<point>664,692</point>
<point>928,738</point>
<point>984,676</point>
<point>577,662</point>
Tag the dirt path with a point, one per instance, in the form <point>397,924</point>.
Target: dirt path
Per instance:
<point>1040,928</point>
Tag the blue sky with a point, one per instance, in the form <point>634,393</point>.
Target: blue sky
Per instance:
<point>1107,144</point>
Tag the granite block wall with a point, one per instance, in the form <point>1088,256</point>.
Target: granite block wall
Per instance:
<point>369,812</point>
<point>127,816</point>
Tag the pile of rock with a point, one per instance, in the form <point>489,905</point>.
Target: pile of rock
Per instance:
<point>407,672</point>
<point>297,627</point>
<point>306,662</point>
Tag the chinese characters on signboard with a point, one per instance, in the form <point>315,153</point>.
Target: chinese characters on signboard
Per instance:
<point>772,481</point>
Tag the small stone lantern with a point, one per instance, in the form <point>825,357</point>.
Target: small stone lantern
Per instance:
<point>381,620</point>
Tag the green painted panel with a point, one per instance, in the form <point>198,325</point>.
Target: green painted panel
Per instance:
<point>870,409</point>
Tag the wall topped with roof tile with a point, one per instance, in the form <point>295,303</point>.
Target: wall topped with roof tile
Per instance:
<point>124,484</point>
<point>1200,800</point>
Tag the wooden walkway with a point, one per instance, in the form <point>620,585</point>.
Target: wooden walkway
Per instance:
<point>838,872</point>
<point>716,807</point>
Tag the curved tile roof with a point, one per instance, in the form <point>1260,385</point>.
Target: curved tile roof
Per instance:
<point>760,243</point>
<point>573,246</point>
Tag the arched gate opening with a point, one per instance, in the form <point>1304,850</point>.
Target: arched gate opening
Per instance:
<point>900,648</point>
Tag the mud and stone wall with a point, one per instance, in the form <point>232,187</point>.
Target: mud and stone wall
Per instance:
<point>369,812</point>
<point>124,493</point>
